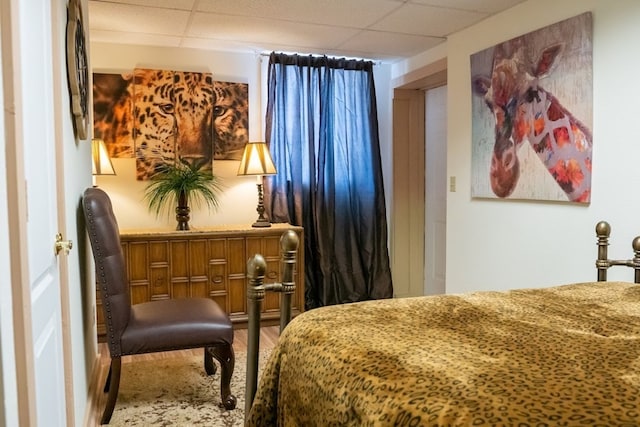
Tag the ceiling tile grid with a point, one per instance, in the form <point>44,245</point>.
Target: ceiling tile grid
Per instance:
<point>384,30</point>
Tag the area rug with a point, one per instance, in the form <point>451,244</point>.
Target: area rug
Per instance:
<point>177,392</point>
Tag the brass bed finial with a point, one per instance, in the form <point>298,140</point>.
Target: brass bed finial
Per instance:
<point>603,231</point>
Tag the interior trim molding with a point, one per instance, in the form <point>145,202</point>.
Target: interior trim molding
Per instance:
<point>426,77</point>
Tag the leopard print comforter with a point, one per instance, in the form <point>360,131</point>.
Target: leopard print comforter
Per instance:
<point>560,356</point>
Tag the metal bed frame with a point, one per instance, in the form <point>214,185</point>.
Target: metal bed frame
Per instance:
<point>603,230</point>
<point>256,290</point>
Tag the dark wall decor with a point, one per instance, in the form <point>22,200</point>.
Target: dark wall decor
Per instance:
<point>77,69</point>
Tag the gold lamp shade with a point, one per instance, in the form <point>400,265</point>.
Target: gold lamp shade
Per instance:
<point>256,160</point>
<point>100,161</point>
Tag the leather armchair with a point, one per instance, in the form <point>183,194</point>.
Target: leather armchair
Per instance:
<point>151,326</point>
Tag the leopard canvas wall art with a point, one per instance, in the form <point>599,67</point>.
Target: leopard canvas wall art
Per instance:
<point>158,116</point>
<point>112,113</point>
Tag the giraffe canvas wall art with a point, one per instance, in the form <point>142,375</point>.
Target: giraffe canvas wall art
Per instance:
<point>532,115</point>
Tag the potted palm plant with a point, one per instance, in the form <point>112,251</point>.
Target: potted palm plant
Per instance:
<point>178,184</point>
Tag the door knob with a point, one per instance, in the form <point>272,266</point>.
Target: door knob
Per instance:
<point>62,245</point>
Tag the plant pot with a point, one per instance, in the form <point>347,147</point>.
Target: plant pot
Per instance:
<point>179,184</point>
<point>182,212</point>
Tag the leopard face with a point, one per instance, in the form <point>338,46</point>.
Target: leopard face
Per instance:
<point>173,118</point>
<point>230,119</point>
<point>164,114</point>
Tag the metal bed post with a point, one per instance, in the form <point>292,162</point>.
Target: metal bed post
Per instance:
<point>636,259</point>
<point>603,230</point>
<point>289,248</point>
<point>256,266</point>
<point>256,290</point>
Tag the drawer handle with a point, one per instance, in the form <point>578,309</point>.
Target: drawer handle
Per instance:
<point>159,281</point>
<point>217,279</point>
<point>272,274</point>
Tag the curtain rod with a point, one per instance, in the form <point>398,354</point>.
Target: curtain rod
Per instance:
<point>313,54</point>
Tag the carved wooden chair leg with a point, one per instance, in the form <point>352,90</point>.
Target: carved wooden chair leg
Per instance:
<point>224,354</point>
<point>112,385</point>
<point>108,381</point>
<point>209,367</point>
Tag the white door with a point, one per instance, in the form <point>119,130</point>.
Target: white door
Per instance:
<point>27,65</point>
<point>435,190</point>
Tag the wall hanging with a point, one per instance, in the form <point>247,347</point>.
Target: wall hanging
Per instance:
<point>77,69</point>
<point>532,115</point>
<point>159,116</point>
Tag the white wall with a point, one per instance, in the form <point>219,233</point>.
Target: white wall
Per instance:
<point>497,244</point>
<point>239,200</point>
<point>384,99</point>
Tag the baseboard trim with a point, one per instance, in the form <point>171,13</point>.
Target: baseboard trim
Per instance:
<point>93,395</point>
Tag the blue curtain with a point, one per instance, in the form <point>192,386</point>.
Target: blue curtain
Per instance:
<point>322,128</point>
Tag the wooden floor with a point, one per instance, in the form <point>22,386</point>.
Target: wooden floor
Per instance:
<point>268,339</point>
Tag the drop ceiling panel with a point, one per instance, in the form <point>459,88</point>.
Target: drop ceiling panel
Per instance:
<point>390,44</point>
<point>386,30</point>
<point>489,6</point>
<point>428,21</point>
<point>249,29</point>
<point>341,13</point>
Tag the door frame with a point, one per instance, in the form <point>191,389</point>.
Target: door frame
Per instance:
<point>16,215</point>
<point>408,222</point>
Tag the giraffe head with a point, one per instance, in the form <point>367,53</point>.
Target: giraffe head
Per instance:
<point>508,92</point>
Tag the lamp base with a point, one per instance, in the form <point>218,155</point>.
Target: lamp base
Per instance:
<point>261,224</point>
<point>261,221</point>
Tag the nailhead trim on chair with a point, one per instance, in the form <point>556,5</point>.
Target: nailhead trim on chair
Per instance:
<point>104,289</point>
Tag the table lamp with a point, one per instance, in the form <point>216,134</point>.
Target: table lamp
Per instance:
<point>100,161</point>
<point>256,160</point>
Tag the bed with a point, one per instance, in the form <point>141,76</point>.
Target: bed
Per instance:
<point>565,355</point>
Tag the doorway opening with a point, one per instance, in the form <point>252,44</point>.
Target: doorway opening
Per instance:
<point>414,245</point>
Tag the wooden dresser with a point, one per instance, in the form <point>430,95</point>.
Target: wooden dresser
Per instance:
<point>206,262</point>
